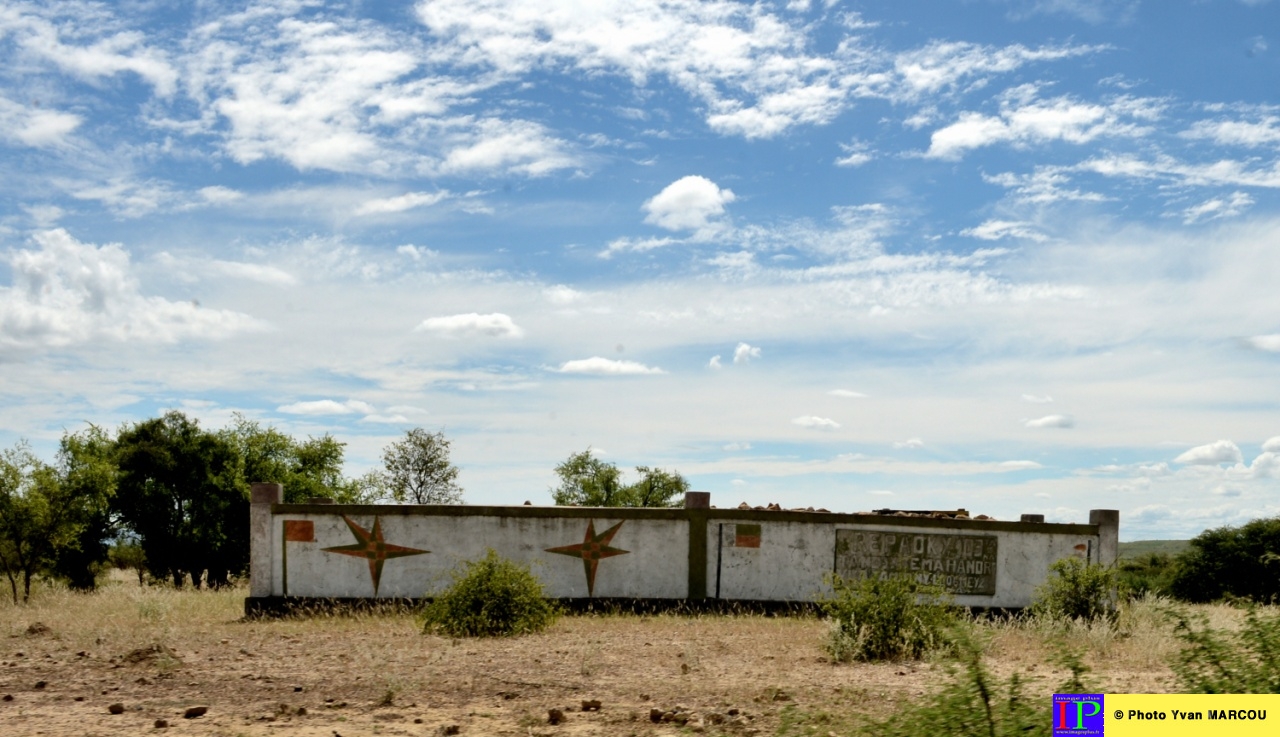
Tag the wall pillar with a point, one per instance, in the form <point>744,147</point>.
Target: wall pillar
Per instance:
<point>1108,522</point>
<point>697,505</point>
<point>260,547</point>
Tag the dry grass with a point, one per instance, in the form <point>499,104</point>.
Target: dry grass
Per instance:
<point>376,673</point>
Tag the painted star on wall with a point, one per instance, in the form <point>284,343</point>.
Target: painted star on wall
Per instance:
<point>371,546</point>
<point>592,550</point>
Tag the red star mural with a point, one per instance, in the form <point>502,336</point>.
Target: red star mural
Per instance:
<point>593,549</point>
<point>371,546</point>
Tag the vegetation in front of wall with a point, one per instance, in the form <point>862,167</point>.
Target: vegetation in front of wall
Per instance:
<point>1149,574</point>
<point>886,618</point>
<point>977,703</point>
<point>490,597</point>
<point>1218,661</point>
<point>1077,591</point>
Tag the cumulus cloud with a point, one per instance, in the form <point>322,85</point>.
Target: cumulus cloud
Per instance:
<point>1025,120</point>
<point>400,203</point>
<point>744,353</point>
<point>471,324</point>
<point>846,394</point>
<point>689,203</point>
<point>36,127</point>
<point>909,444</point>
<point>714,363</point>
<point>1217,207</point>
<point>326,407</point>
<point>1036,399</point>
<point>1020,465</point>
<point>66,292</point>
<point>1269,343</point>
<point>1221,451</point>
<point>1051,421</point>
<point>816,423</point>
<point>607,367</point>
<point>994,230</point>
<point>561,295</point>
<point>1271,445</point>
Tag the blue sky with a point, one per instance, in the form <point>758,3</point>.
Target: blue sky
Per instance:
<point>1015,256</point>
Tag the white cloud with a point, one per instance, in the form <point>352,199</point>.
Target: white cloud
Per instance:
<point>517,146</point>
<point>945,64</point>
<point>1062,421</point>
<point>1020,465</point>
<point>607,367</point>
<point>815,422</point>
<point>1035,399</point>
<point>561,295</point>
<point>321,407</point>
<point>471,324</point>
<point>846,394</point>
<point>1269,343</point>
<point>732,447</point>
<point>638,245</point>
<point>1044,185</point>
<point>994,230</point>
<point>260,273</point>
<point>1218,207</point>
<point>219,195</point>
<point>1224,172</point>
<point>36,127</point>
<point>1264,132</point>
<point>909,444</point>
<point>689,203</point>
<point>66,292</point>
<point>1271,445</point>
<point>96,49</point>
<point>856,154</point>
<point>744,353</point>
<point>714,363</point>
<point>400,203</point>
<point>1024,120</point>
<point>1221,451</point>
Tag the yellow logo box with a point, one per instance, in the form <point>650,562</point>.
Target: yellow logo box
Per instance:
<point>1208,715</point>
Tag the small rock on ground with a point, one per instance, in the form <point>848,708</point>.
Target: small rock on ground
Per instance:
<point>195,711</point>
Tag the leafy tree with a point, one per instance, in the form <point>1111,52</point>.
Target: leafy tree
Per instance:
<point>1231,561</point>
<point>417,470</point>
<point>182,492</point>
<point>38,516</point>
<point>587,481</point>
<point>87,471</point>
<point>311,468</point>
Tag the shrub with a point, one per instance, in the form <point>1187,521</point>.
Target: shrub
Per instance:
<point>1231,561</point>
<point>1076,591</point>
<point>1213,661</point>
<point>490,597</point>
<point>977,704</point>
<point>1150,574</point>
<point>886,619</point>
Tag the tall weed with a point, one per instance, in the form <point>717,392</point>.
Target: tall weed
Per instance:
<point>1217,661</point>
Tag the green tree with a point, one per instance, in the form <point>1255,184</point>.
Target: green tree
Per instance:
<point>182,492</point>
<point>587,481</point>
<point>311,468</point>
<point>417,470</point>
<point>87,471</point>
<point>38,516</point>
<point>1231,561</point>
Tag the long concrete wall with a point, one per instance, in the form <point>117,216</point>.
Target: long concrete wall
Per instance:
<point>394,551</point>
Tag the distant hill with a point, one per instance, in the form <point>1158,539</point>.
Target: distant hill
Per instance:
<point>1139,548</point>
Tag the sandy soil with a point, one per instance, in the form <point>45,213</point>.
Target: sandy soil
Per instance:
<point>367,674</point>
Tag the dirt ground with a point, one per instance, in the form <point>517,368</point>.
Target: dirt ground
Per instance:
<point>158,653</point>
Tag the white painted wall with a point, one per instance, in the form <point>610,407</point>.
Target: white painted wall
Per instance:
<point>655,566</point>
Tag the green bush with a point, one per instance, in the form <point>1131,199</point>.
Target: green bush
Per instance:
<point>1077,591</point>
<point>886,619</point>
<point>1213,661</point>
<point>1243,562</point>
<point>490,597</point>
<point>1151,573</point>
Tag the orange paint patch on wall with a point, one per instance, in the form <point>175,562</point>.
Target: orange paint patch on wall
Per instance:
<point>300,531</point>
